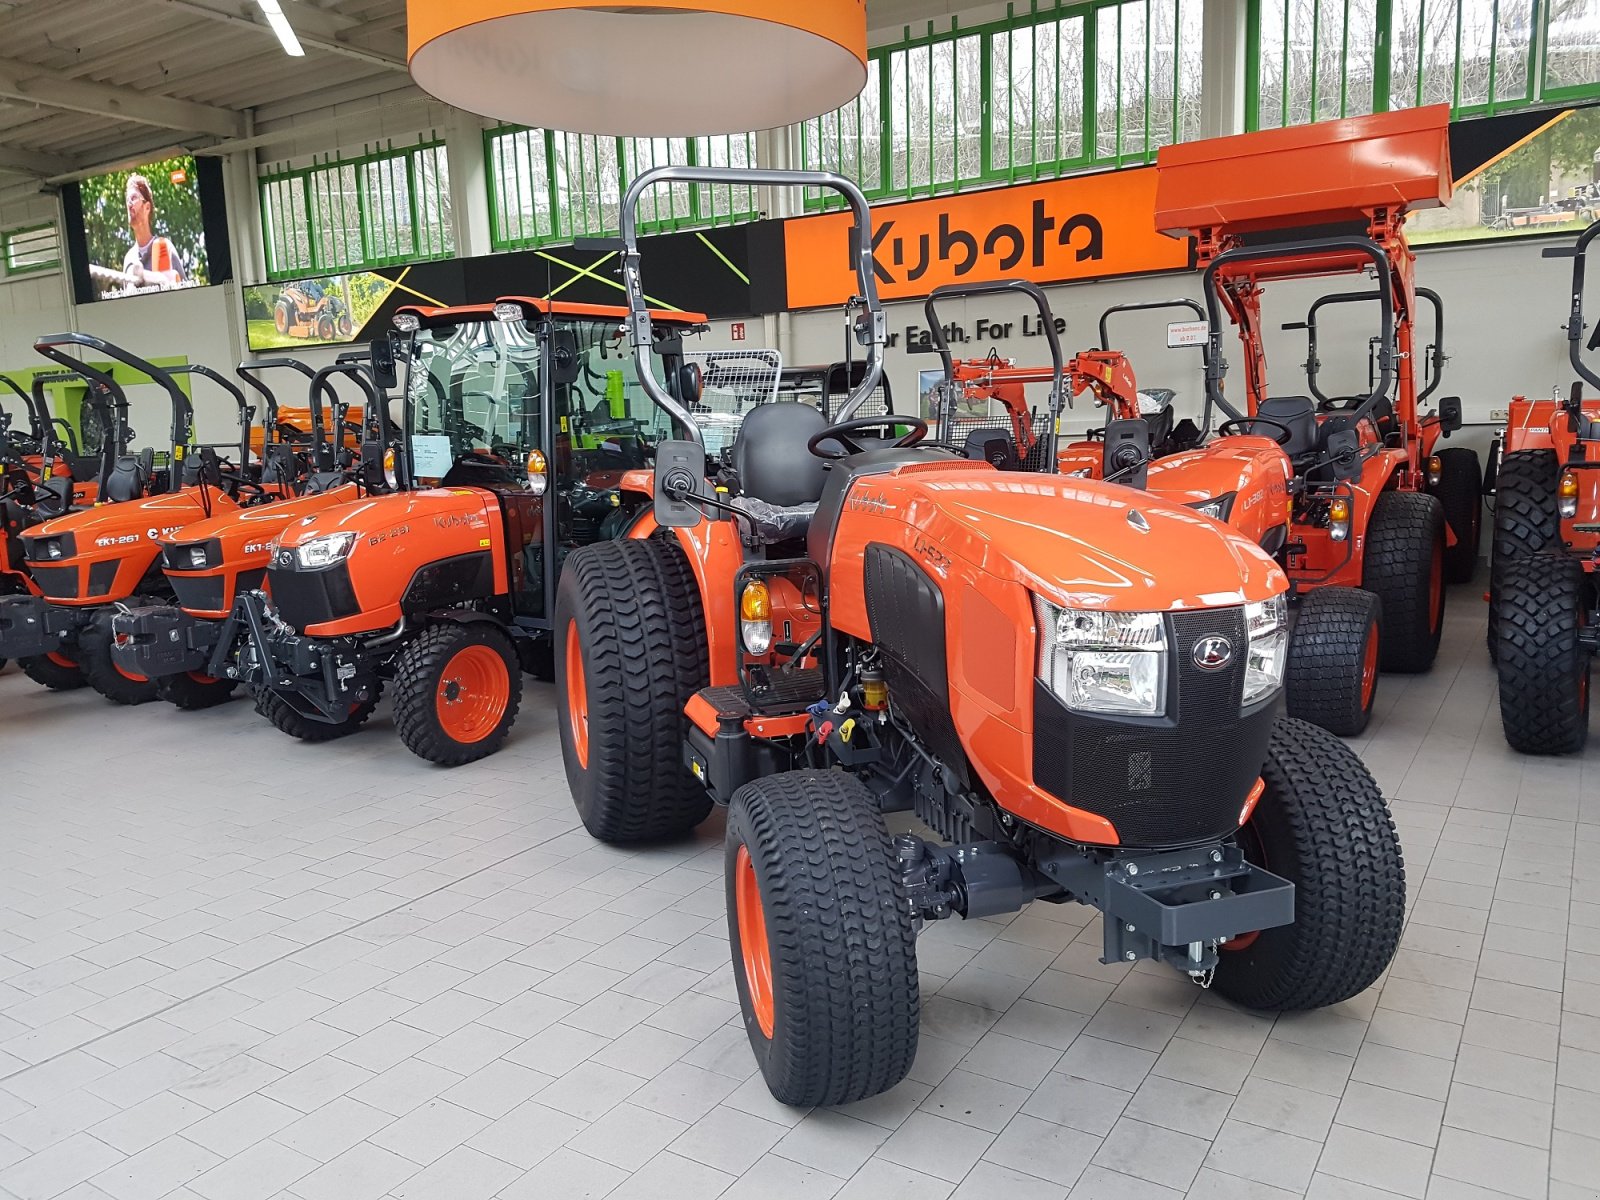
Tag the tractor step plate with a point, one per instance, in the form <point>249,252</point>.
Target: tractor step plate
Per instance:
<point>784,695</point>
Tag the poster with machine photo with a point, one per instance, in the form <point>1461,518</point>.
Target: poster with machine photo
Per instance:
<point>157,227</point>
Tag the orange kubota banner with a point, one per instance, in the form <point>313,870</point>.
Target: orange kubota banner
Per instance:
<point>1079,228</point>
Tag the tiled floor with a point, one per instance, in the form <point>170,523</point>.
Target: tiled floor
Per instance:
<point>235,967</point>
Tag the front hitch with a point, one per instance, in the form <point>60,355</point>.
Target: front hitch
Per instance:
<point>30,626</point>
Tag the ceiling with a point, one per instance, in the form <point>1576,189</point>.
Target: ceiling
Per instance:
<point>87,83</point>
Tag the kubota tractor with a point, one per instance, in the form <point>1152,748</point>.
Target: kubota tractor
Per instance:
<point>1260,207</point>
<point>520,419</point>
<point>1544,610</point>
<point>1072,684</point>
<point>189,647</point>
<point>87,562</point>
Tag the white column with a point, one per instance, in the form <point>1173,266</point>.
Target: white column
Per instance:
<point>469,184</point>
<point>1223,68</point>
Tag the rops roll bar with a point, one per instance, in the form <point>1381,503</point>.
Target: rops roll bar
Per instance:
<point>1047,322</point>
<point>182,409</point>
<point>326,452</point>
<point>1217,366</point>
<point>874,333</point>
<point>247,411</point>
<point>1433,360</point>
<point>1575,345</point>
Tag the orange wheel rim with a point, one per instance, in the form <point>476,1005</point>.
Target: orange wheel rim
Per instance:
<point>202,679</point>
<point>60,660</point>
<point>1436,587</point>
<point>1369,668</point>
<point>753,939</point>
<point>1242,941</point>
<point>577,697</point>
<point>473,692</point>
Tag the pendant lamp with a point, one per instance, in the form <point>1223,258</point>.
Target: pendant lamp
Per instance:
<point>653,68</point>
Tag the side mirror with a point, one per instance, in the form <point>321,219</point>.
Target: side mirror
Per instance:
<point>1344,453</point>
<point>1127,453</point>
<point>680,473</point>
<point>383,364</point>
<point>1449,414</point>
<point>564,357</point>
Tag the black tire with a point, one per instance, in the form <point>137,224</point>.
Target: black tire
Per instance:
<point>1525,519</point>
<point>538,658</point>
<point>192,694</point>
<point>285,719</point>
<point>1543,667</point>
<point>57,676</point>
<point>845,1004</point>
<point>1330,678</point>
<point>635,610</point>
<point>100,666</point>
<point>1404,568</point>
<point>457,687</point>
<point>1323,825</point>
<point>1460,491</point>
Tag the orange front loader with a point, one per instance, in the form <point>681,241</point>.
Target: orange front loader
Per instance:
<point>1071,684</point>
<point>1306,203</point>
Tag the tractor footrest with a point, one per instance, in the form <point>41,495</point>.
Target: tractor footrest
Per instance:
<point>774,694</point>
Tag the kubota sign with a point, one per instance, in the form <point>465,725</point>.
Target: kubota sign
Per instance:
<point>1079,228</point>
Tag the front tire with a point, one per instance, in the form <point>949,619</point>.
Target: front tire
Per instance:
<point>286,720</point>
<point>1542,664</point>
<point>457,689</point>
<point>1323,824</point>
<point>100,667</point>
<point>57,671</point>
<point>1460,491</point>
<point>1404,568</point>
<point>1526,520</point>
<point>824,953</point>
<point>630,650</point>
<point>1331,678</point>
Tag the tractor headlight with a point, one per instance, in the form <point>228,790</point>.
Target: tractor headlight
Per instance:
<point>1567,495</point>
<point>1103,662</point>
<point>407,322</point>
<point>52,548</point>
<point>1218,508</point>
<point>1267,625</point>
<point>324,551</point>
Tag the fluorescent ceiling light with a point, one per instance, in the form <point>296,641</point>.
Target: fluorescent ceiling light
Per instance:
<point>280,26</point>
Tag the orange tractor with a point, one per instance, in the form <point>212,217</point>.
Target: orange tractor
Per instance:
<point>1544,609</point>
<point>1072,684</point>
<point>1364,510</point>
<point>308,310</point>
<point>520,420</point>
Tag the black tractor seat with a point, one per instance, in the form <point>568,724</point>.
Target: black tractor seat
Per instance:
<point>780,481</point>
<point>130,475</point>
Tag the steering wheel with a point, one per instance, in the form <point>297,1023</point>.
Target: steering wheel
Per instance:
<point>1341,403</point>
<point>1236,426</point>
<point>840,433</point>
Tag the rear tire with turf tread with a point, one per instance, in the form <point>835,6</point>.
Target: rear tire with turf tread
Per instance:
<point>1460,490</point>
<point>1525,519</point>
<point>635,609</point>
<point>845,1000</point>
<point>190,694</point>
<point>1543,667</point>
<point>1323,825</point>
<point>423,714</point>
<point>1404,546</point>
<point>99,664</point>
<point>271,706</point>
<point>58,677</point>
<point>1326,677</point>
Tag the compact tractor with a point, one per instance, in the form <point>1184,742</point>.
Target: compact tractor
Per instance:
<point>1544,611</point>
<point>309,310</point>
<point>1364,513</point>
<point>1070,683</point>
<point>86,562</point>
<point>521,419</point>
<point>188,647</point>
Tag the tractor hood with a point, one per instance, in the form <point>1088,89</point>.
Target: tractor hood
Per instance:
<point>133,520</point>
<point>263,521</point>
<point>1077,542</point>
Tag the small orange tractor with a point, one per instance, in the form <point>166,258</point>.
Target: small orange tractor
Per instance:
<point>1306,203</point>
<point>307,309</point>
<point>1072,684</point>
<point>1544,610</point>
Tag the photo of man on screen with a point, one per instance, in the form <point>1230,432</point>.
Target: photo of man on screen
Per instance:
<point>151,261</point>
<point>144,229</point>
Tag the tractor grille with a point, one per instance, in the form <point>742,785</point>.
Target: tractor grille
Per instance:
<point>198,593</point>
<point>57,583</point>
<point>1162,781</point>
<point>307,598</point>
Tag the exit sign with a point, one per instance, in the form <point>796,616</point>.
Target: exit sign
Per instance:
<point>736,331</point>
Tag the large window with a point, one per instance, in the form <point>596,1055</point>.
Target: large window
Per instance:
<point>550,186</point>
<point>1312,60</point>
<point>351,214</point>
<point>1063,88</point>
<point>30,248</point>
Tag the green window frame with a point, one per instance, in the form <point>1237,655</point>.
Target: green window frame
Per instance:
<point>384,208</point>
<point>548,186</point>
<point>28,249</point>
<point>1314,60</point>
<point>1037,94</point>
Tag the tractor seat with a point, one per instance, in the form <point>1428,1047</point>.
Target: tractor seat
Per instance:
<point>130,475</point>
<point>1298,414</point>
<point>779,479</point>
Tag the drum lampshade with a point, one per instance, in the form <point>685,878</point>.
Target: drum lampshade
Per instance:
<point>652,68</point>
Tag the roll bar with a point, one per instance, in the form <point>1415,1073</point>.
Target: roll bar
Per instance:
<point>1182,302</point>
<point>1217,366</point>
<point>247,411</point>
<point>182,409</point>
<point>1047,322</point>
<point>38,426</point>
<point>326,449</point>
<point>1433,362</point>
<point>269,413</point>
<point>112,414</point>
<point>1575,347</point>
<point>873,331</point>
